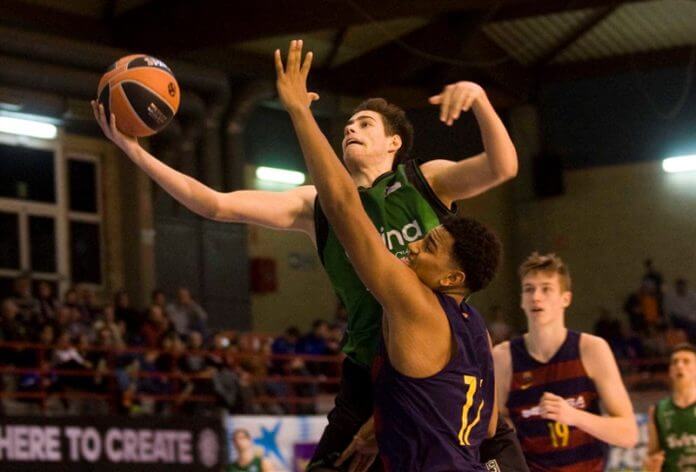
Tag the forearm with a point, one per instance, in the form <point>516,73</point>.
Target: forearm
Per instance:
<point>497,144</point>
<point>195,196</point>
<point>334,186</point>
<point>617,431</point>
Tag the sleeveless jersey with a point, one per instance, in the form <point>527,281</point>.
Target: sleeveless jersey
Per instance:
<point>548,445</point>
<point>676,430</point>
<point>253,466</point>
<point>437,423</point>
<point>403,208</point>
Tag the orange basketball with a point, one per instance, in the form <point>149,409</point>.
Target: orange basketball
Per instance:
<point>142,92</point>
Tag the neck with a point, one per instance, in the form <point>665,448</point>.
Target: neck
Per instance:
<point>544,341</point>
<point>364,174</point>
<point>684,394</point>
<point>246,456</point>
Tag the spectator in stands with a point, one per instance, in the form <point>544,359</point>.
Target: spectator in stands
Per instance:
<point>123,311</point>
<point>186,314</point>
<point>23,298</point>
<point>680,308</point>
<point>643,307</point>
<point>66,357</point>
<point>159,298</point>
<point>652,276</point>
<point>107,320</point>
<point>315,341</point>
<point>155,328</point>
<point>48,303</point>
<point>89,304</point>
<point>11,328</point>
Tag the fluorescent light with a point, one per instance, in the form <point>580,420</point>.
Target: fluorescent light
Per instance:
<point>35,129</point>
<point>282,176</point>
<point>680,164</point>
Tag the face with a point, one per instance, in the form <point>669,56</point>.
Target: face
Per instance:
<point>431,259</point>
<point>184,296</point>
<point>682,367</point>
<point>543,299</point>
<point>365,139</point>
<point>241,441</point>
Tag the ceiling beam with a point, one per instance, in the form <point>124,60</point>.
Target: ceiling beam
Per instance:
<point>168,27</point>
<point>517,10</point>
<point>592,20</point>
<point>638,62</point>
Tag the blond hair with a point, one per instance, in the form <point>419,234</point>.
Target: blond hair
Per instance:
<point>549,264</point>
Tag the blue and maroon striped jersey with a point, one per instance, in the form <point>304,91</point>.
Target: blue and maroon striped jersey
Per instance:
<point>548,445</point>
<point>436,423</point>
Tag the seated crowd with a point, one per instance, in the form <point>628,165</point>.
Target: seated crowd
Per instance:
<point>163,358</point>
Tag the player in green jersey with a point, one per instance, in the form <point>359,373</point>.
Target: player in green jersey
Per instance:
<point>376,136</point>
<point>672,421</point>
<point>247,459</point>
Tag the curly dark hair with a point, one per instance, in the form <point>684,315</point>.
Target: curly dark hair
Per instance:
<point>395,122</point>
<point>477,250</point>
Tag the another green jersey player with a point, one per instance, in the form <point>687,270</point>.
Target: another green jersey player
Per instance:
<point>672,421</point>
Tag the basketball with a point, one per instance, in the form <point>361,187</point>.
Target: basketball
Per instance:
<point>142,93</point>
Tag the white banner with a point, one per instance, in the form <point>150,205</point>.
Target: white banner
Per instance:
<point>286,441</point>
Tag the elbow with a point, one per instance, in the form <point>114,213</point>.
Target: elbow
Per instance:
<point>629,439</point>
<point>510,171</point>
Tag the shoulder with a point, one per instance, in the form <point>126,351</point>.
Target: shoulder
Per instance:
<point>595,354</point>
<point>591,345</point>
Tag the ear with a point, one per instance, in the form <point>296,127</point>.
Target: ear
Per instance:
<point>395,143</point>
<point>566,298</point>
<point>453,279</point>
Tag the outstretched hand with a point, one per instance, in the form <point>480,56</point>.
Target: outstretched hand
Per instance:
<point>108,127</point>
<point>291,80</point>
<point>455,98</point>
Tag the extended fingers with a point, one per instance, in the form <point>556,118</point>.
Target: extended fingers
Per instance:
<point>307,64</point>
<point>278,63</point>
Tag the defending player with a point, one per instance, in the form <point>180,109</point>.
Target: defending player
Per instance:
<point>672,422</point>
<point>434,383</point>
<point>551,380</point>
<point>406,203</point>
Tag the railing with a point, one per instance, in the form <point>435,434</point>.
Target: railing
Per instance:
<point>45,372</point>
<point>638,375</point>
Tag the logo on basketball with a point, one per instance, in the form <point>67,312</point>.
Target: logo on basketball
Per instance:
<point>171,89</point>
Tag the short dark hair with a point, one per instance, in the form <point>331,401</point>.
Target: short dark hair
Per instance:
<point>395,122</point>
<point>683,347</point>
<point>477,250</point>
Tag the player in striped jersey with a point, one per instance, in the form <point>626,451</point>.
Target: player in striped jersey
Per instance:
<point>672,422</point>
<point>551,380</point>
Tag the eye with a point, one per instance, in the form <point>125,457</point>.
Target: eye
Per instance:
<point>364,124</point>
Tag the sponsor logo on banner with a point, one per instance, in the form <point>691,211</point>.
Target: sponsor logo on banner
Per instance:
<point>83,443</point>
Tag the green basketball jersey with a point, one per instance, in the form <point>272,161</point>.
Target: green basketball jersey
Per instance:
<point>676,430</point>
<point>253,466</point>
<point>403,208</point>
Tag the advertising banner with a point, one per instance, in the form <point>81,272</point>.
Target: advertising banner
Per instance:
<point>111,443</point>
<point>287,442</point>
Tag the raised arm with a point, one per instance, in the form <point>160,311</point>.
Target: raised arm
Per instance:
<point>467,178</point>
<point>396,287</point>
<point>290,210</point>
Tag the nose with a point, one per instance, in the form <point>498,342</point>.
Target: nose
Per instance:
<point>349,129</point>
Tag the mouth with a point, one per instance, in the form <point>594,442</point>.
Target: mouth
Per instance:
<point>537,310</point>
<point>352,141</point>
